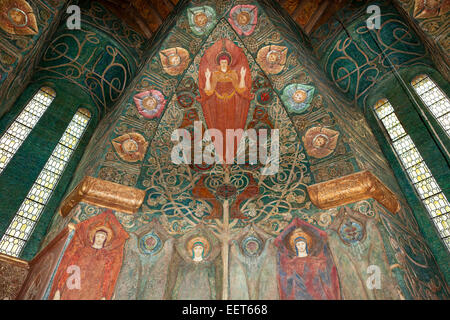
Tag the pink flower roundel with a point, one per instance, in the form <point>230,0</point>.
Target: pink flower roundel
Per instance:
<point>244,18</point>
<point>150,104</point>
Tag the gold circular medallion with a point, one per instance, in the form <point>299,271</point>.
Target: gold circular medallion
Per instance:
<point>273,56</point>
<point>17,17</point>
<point>320,141</point>
<point>200,19</point>
<point>174,59</point>
<point>149,103</point>
<point>130,146</point>
<point>243,18</point>
<point>299,96</point>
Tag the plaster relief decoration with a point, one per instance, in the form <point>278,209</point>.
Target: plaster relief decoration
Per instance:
<point>131,147</point>
<point>429,9</point>
<point>243,19</point>
<point>320,142</point>
<point>174,60</point>
<point>17,17</point>
<point>351,188</point>
<point>272,58</point>
<point>104,194</point>
<point>201,19</point>
<point>150,104</point>
<point>305,264</point>
<point>96,251</point>
<point>297,97</point>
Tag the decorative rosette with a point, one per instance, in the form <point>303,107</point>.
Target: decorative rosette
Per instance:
<point>150,243</point>
<point>201,19</point>
<point>185,99</point>
<point>150,104</point>
<point>17,17</point>
<point>130,147</point>
<point>297,97</point>
<point>272,58</point>
<point>252,246</point>
<point>320,142</point>
<point>351,231</point>
<point>151,237</point>
<point>264,96</point>
<point>174,60</point>
<point>244,18</point>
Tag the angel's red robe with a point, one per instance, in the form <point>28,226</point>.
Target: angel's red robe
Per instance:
<point>226,105</point>
<point>99,268</point>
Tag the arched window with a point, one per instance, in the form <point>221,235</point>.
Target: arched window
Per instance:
<point>420,175</point>
<point>23,223</point>
<point>19,130</point>
<point>435,100</point>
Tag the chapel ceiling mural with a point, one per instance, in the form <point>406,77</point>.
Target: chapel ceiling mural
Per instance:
<point>220,55</point>
<point>227,231</point>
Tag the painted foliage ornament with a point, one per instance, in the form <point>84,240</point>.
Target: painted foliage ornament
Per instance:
<point>201,19</point>
<point>17,17</point>
<point>150,104</point>
<point>272,58</point>
<point>244,18</point>
<point>320,142</point>
<point>174,60</point>
<point>297,97</point>
<point>226,191</point>
<point>131,147</point>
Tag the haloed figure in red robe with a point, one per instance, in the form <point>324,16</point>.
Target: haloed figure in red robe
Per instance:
<point>225,82</point>
<point>92,261</point>
<point>306,269</point>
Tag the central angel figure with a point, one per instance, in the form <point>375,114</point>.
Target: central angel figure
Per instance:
<point>225,84</point>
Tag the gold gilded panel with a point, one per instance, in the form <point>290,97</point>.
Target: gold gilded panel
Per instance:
<point>352,188</point>
<point>104,194</point>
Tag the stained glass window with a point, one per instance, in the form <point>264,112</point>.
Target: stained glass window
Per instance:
<point>16,134</point>
<point>426,186</point>
<point>433,97</point>
<point>22,225</point>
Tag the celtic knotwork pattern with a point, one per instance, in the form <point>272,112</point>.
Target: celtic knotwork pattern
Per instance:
<point>84,59</point>
<point>357,65</point>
